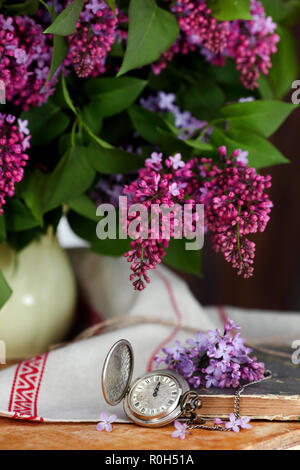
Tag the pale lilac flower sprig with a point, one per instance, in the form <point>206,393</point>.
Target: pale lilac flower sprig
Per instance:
<point>105,423</point>
<point>214,359</point>
<point>234,423</point>
<point>14,141</point>
<point>180,430</point>
<point>188,125</point>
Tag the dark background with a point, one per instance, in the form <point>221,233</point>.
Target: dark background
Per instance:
<point>276,281</point>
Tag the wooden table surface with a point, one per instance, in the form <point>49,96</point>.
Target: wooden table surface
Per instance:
<point>24,435</point>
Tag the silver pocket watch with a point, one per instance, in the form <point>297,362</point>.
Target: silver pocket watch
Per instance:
<point>153,400</point>
<point>157,398</point>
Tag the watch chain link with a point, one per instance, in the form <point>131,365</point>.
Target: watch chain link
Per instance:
<point>191,401</point>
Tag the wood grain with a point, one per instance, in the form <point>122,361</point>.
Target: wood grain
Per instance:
<point>21,435</point>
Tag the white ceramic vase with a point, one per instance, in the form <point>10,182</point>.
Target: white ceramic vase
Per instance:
<point>41,309</point>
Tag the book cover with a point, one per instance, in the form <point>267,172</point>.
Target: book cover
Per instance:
<point>275,399</point>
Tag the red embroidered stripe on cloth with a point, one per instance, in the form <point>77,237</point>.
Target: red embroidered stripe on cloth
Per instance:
<point>26,387</point>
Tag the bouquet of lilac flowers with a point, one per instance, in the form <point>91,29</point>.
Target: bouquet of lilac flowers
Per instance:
<point>162,101</point>
<point>214,359</point>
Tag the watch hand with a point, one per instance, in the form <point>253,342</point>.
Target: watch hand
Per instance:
<point>156,390</point>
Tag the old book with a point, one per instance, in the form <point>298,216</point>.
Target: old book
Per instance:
<point>275,399</point>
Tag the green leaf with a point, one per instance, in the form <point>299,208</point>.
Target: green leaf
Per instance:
<point>228,10</point>
<point>113,161</point>
<point>2,228</point>
<point>284,63</point>
<point>263,117</point>
<point>170,144</point>
<point>279,10</point>
<point>147,123</point>
<point>84,206</point>
<point>110,96</point>
<point>265,88</point>
<point>67,96</point>
<point>72,176</point>
<point>117,49</point>
<point>157,130</point>
<point>83,227</point>
<point>261,152</point>
<point>184,260</point>
<point>203,100</point>
<point>33,187</point>
<point>152,31</point>
<point>65,23</point>
<point>91,118</point>
<point>110,247</point>
<point>86,229</point>
<point>111,4</point>
<point>60,50</point>
<point>45,123</point>
<point>30,7</point>
<point>5,290</point>
<point>19,240</point>
<point>18,217</point>
<point>198,144</point>
<point>70,104</point>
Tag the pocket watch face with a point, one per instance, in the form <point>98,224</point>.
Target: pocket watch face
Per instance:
<point>154,400</point>
<point>154,395</point>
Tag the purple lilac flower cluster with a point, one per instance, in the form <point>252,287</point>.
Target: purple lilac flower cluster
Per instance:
<point>183,120</point>
<point>14,141</point>
<point>96,31</point>
<point>215,359</point>
<point>161,183</point>
<point>25,61</point>
<point>236,205</point>
<point>250,43</point>
<point>235,201</point>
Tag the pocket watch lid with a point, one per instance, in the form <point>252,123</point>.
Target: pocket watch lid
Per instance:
<point>117,372</point>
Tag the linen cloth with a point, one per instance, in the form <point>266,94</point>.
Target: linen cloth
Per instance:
<point>65,384</point>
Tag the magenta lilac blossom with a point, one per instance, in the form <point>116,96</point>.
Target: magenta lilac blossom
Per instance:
<point>25,61</point>
<point>200,28</point>
<point>14,141</point>
<point>162,183</point>
<point>235,199</point>
<point>249,42</point>
<point>96,31</point>
<point>236,205</point>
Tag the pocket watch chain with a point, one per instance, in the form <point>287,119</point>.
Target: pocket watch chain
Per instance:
<point>190,401</point>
